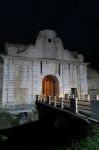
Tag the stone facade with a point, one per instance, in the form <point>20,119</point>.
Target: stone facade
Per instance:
<point>93,82</point>
<point>26,66</point>
<point>1,79</point>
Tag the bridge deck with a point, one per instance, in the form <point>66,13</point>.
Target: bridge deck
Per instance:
<point>65,111</point>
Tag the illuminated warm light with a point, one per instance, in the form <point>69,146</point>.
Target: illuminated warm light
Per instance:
<point>50,86</point>
<point>61,95</point>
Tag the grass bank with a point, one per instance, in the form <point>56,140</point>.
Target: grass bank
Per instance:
<point>91,141</point>
<point>7,120</point>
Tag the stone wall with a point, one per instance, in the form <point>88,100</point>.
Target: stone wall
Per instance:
<point>23,78</point>
<point>93,82</point>
<point>74,76</point>
<point>1,80</point>
<point>17,80</point>
<point>83,81</point>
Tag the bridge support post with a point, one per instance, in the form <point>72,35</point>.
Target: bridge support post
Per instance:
<point>76,101</point>
<point>88,97</point>
<point>44,100</point>
<point>49,100</point>
<point>62,103</point>
<point>73,105</point>
<point>55,101</point>
<point>97,97</point>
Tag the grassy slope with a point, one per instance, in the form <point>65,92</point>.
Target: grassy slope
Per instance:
<point>91,142</point>
<point>6,120</point>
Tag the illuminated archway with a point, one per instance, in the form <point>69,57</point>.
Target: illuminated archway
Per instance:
<point>50,86</point>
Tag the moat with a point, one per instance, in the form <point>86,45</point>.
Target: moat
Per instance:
<point>37,135</point>
<point>53,129</point>
<point>43,134</point>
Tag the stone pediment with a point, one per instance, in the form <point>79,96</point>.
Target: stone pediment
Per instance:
<point>67,56</point>
<point>32,52</point>
<point>47,46</point>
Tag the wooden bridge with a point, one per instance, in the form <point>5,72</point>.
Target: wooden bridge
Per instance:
<point>78,108</point>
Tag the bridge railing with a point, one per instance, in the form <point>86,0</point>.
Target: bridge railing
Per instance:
<point>73,104</point>
<point>84,106</point>
<point>53,100</point>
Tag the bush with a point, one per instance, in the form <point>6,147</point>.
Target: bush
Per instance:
<point>7,120</point>
<point>34,114</point>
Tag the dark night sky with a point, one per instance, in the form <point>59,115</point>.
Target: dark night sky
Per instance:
<point>73,20</point>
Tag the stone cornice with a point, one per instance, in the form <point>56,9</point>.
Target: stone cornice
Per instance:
<point>41,59</point>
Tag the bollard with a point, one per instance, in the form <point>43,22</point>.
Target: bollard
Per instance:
<point>62,103</point>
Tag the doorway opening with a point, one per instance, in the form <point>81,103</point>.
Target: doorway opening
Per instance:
<point>74,92</point>
<point>50,86</point>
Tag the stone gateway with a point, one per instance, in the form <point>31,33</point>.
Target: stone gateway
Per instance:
<point>45,68</point>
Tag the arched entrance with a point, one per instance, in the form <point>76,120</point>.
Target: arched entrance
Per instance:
<point>50,86</point>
